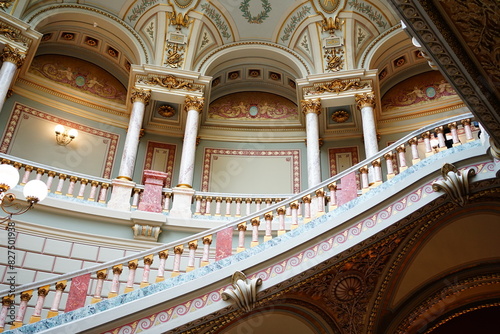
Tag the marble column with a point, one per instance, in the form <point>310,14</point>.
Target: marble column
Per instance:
<point>312,109</point>
<point>122,186</point>
<point>183,192</point>
<point>366,103</point>
<point>12,60</point>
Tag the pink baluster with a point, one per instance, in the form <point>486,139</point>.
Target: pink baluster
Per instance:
<point>414,150</point>
<point>268,217</point>
<point>218,201</point>
<point>454,133</point>
<point>389,163</point>
<point>441,139</point>
<point>50,178</point>
<point>27,173</point>
<point>307,208</point>
<point>332,187</point>
<point>163,255</point>
<point>248,202</point>
<point>178,250</point>
<point>238,207</point>
<point>468,131</point>
<point>208,203</point>
<point>166,205</point>
<point>101,276</point>
<point>115,284</point>
<point>39,173</point>
<point>148,261</point>
<point>229,200</point>
<point>93,190</point>
<point>81,191</point>
<point>135,197</point>
<point>402,158</point>
<point>255,232</point>
<point>132,268</point>
<point>7,304</point>
<point>281,211</point>
<point>294,207</point>
<point>102,194</point>
<point>364,179</point>
<point>198,199</point>
<point>71,187</point>
<point>427,144</point>
<point>42,293</point>
<point>207,241</point>
<point>242,227</point>
<point>320,198</point>
<point>25,298</point>
<point>377,172</point>
<point>193,245</point>
<point>54,309</point>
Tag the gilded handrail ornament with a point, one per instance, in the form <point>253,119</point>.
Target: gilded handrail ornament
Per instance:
<point>243,292</point>
<point>455,184</point>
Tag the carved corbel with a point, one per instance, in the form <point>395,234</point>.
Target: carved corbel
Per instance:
<point>454,183</point>
<point>244,291</point>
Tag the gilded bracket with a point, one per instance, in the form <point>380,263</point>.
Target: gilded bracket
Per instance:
<point>455,184</point>
<point>244,291</point>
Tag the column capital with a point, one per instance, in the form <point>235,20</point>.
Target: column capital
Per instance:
<point>13,55</point>
<point>311,106</point>
<point>140,95</point>
<point>193,103</point>
<point>365,100</point>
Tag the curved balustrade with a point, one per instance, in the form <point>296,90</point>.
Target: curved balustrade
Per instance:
<point>274,219</point>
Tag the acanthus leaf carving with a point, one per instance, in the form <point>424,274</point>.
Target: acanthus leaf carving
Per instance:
<point>455,184</point>
<point>244,291</point>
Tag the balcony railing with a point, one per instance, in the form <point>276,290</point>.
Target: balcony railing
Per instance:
<point>264,219</point>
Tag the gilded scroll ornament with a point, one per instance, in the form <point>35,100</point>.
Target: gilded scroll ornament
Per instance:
<point>365,100</point>
<point>337,86</point>
<point>6,4</point>
<point>331,24</point>
<point>455,184</point>
<point>243,292</point>
<point>179,20</point>
<point>13,55</point>
<point>334,61</point>
<point>311,106</point>
<point>140,95</point>
<point>10,33</point>
<point>193,103</point>
<point>169,82</point>
<point>175,55</point>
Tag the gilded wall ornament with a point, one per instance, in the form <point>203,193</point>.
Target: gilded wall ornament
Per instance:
<point>169,82</point>
<point>6,4</point>
<point>334,61</point>
<point>340,116</point>
<point>179,20</point>
<point>311,106</point>
<point>193,103</point>
<point>329,6</point>
<point>166,111</point>
<point>140,95</point>
<point>175,55</point>
<point>337,86</point>
<point>365,100</point>
<point>331,24</point>
<point>10,33</point>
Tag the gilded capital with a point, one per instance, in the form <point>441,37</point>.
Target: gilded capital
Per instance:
<point>140,95</point>
<point>193,103</point>
<point>13,55</point>
<point>365,100</point>
<point>311,106</point>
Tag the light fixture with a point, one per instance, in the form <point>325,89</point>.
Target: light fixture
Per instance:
<point>63,136</point>
<point>34,191</point>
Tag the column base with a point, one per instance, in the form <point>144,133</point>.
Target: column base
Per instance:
<point>159,279</point>
<point>267,237</point>
<point>128,289</point>
<point>112,294</point>
<point>414,161</point>
<point>51,314</point>
<point>204,263</point>
<point>144,284</point>
<point>16,324</point>
<point>121,194</point>
<point>320,213</point>
<point>281,232</point>
<point>181,206</point>
<point>189,268</point>
<point>35,318</point>
<point>95,300</point>
<point>254,243</point>
<point>403,168</point>
<point>240,249</point>
<point>390,176</point>
<point>175,274</point>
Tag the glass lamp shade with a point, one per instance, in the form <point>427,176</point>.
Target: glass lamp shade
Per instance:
<point>72,133</point>
<point>35,190</point>
<point>59,129</point>
<point>9,177</point>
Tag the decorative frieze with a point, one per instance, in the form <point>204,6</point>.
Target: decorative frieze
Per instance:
<point>169,81</point>
<point>337,86</point>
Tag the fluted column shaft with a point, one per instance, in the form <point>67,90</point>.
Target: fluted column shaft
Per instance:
<point>193,107</point>
<point>12,60</point>
<point>312,109</point>
<point>140,99</point>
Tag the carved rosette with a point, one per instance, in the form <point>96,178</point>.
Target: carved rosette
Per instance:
<point>166,111</point>
<point>13,55</point>
<point>365,100</point>
<point>454,183</point>
<point>340,116</point>
<point>311,106</point>
<point>140,95</point>
<point>243,292</point>
<point>193,103</point>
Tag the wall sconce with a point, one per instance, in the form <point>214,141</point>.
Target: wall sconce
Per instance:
<point>34,191</point>
<point>63,136</point>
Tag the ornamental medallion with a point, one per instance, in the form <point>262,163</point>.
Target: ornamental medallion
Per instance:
<point>183,3</point>
<point>329,6</point>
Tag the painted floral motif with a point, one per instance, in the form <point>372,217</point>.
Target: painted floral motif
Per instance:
<point>372,13</point>
<point>259,18</point>
<point>140,8</point>
<point>215,16</point>
<point>294,21</point>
